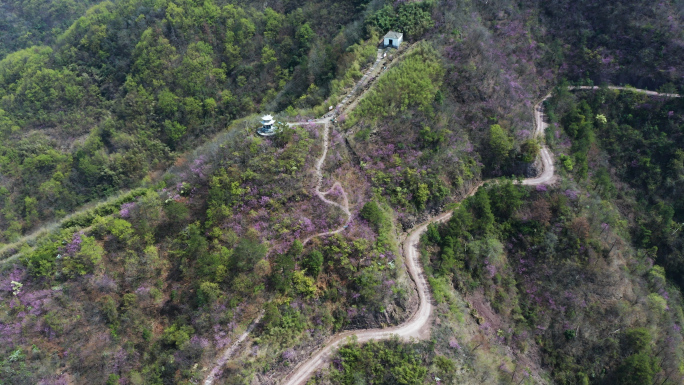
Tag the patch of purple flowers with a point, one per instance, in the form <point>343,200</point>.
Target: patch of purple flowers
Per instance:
<point>125,211</point>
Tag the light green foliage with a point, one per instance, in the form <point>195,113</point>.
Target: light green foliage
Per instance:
<point>356,56</point>
<point>500,144</point>
<point>173,74</point>
<point>207,293</point>
<point>529,150</point>
<point>41,260</point>
<point>422,195</point>
<point>305,35</point>
<point>303,284</point>
<point>386,362</point>
<point>268,55</point>
<point>108,306</point>
<point>378,218</point>
<point>113,379</point>
<point>567,162</point>
<point>85,260</point>
<point>30,210</point>
<point>129,301</point>
<point>174,130</point>
<point>657,304</point>
<point>21,63</point>
<point>273,22</point>
<point>413,82</point>
<point>120,228</point>
<point>412,18</point>
<point>154,60</point>
<point>177,335</point>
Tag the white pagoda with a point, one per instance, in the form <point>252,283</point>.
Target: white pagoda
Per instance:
<point>267,126</point>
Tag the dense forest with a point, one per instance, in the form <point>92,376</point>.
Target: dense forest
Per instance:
<point>131,84</point>
<point>164,226</point>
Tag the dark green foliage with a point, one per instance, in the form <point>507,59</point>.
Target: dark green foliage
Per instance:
<point>282,138</point>
<point>460,224</point>
<point>372,213</point>
<point>283,268</point>
<point>505,199</point>
<point>248,252</point>
<point>313,262</point>
<point>432,233</point>
<point>569,334</point>
<point>41,261</point>
<point>638,339</point>
<point>176,212</point>
<point>482,212</point>
<point>598,44</point>
<point>638,369</point>
<point>196,244</point>
<point>27,23</point>
<point>602,183</point>
<point>363,134</point>
<point>432,138</point>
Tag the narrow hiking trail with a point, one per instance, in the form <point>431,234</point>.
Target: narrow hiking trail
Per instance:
<point>318,171</point>
<point>322,195</point>
<point>417,326</point>
<point>52,226</point>
<point>229,352</point>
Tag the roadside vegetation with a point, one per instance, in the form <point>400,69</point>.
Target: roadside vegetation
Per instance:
<point>157,101</point>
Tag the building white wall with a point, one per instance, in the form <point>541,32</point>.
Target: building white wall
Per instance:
<point>395,42</point>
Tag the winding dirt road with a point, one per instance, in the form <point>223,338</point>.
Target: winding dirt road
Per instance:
<point>418,325</point>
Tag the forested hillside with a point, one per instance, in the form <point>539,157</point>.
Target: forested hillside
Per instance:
<point>27,23</point>
<point>131,84</point>
<point>151,107</point>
